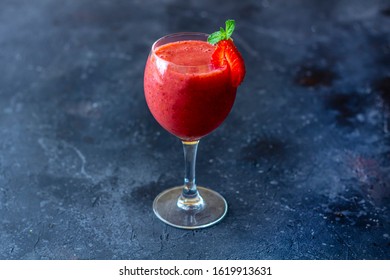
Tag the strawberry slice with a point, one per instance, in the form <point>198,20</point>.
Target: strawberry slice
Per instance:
<point>227,53</point>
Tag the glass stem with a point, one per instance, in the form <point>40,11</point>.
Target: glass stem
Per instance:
<point>190,198</point>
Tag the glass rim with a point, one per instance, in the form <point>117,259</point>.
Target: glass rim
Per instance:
<point>175,35</point>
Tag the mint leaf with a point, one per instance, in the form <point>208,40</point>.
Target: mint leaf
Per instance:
<point>215,37</point>
<point>222,34</point>
<point>230,25</point>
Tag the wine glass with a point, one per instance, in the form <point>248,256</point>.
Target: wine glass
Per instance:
<point>189,97</point>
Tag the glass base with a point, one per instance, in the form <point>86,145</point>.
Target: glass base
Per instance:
<point>166,209</point>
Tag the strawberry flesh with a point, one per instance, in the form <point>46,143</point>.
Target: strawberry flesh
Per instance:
<point>227,53</point>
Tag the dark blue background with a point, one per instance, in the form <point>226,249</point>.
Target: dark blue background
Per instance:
<point>303,159</point>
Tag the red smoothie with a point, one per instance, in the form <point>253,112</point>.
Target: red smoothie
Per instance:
<point>185,93</point>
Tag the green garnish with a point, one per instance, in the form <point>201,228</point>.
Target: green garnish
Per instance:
<point>222,34</point>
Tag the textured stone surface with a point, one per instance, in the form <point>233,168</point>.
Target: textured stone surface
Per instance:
<point>303,159</point>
